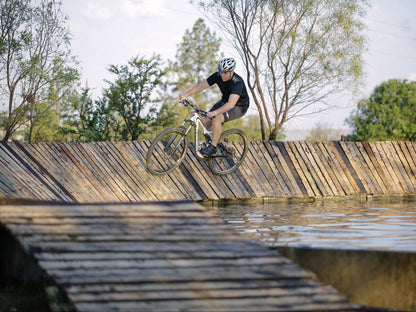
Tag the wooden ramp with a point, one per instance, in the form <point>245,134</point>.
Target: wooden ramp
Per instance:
<point>160,257</point>
<point>115,172</point>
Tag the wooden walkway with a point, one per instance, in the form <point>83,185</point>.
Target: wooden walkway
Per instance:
<point>115,172</point>
<point>161,257</point>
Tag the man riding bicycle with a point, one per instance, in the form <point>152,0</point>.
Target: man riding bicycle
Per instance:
<point>233,104</point>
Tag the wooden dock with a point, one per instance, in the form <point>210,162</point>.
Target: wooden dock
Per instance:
<point>115,172</point>
<point>161,257</point>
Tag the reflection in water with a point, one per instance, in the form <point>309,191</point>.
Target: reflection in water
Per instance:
<point>349,224</point>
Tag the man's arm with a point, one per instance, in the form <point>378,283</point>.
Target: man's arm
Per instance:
<point>195,89</point>
<point>232,100</point>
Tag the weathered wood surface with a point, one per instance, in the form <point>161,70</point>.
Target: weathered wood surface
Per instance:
<point>115,172</point>
<point>161,257</point>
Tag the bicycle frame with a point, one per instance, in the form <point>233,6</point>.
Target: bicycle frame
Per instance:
<point>194,121</point>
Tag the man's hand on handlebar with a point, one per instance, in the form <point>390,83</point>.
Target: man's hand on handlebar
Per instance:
<point>211,114</point>
<point>182,98</point>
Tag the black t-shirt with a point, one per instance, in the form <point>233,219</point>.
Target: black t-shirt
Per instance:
<point>234,86</point>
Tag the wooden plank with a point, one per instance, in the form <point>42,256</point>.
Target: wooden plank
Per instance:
<point>401,166</point>
<point>128,172</point>
<point>227,305</point>
<point>384,164</point>
<point>336,150</point>
<point>179,178</point>
<point>265,164</point>
<point>263,188</point>
<point>284,170</point>
<point>300,166</point>
<point>189,285</point>
<point>15,178</point>
<point>322,168</point>
<point>172,294</point>
<point>378,171</point>
<point>314,168</point>
<point>390,165</point>
<point>332,172</point>
<point>358,165</point>
<point>53,168</point>
<point>276,169</point>
<point>89,170</point>
<point>408,163</point>
<point>371,169</point>
<point>221,187</point>
<point>120,176</point>
<point>247,172</point>
<point>200,174</point>
<point>91,151</point>
<point>73,178</point>
<point>171,188</point>
<point>41,173</point>
<point>411,147</point>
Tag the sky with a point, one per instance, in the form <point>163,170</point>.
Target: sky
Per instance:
<point>108,32</point>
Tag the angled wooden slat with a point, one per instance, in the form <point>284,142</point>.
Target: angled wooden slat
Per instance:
<point>383,162</point>
<point>301,167</point>
<point>371,169</point>
<point>315,168</point>
<point>283,170</point>
<point>401,165</point>
<point>332,170</point>
<point>389,164</point>
<point>408,163</point>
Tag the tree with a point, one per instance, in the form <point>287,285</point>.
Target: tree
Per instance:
<point>133,97</point>
<point>95,118</point>
<point>36,65</point>
<point>295,52</point>
<point>388,114</point>
<point>196,58</point>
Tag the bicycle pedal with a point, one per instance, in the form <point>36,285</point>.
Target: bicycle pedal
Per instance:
<point>202,145</point>
<point>229,151</point>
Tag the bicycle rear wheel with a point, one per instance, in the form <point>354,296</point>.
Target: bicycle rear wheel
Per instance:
<point>232,149</point>
<point>167,151</point>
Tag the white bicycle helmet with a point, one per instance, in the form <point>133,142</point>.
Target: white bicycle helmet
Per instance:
<point>226,65</point>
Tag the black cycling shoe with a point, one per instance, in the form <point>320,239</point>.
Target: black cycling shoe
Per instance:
<point>209,150</point>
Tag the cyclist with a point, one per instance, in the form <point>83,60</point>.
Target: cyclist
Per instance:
<point>233,104</point>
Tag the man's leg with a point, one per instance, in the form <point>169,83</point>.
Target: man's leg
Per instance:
<point>216,128</point>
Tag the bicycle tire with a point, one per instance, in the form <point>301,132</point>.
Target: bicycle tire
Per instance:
<point>160,159</point>
<point>232,149</point>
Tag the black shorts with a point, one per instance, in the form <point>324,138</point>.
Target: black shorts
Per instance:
<point>234,113</point>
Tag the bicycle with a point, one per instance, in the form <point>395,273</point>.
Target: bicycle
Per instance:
<point>168,149</point>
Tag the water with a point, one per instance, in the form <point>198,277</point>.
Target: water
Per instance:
<point>351,224</point>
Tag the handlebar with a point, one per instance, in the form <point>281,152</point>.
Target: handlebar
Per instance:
<point>194,107</point>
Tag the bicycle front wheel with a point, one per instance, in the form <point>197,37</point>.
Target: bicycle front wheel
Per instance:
<point>167,151</point>
<point>232,149</point>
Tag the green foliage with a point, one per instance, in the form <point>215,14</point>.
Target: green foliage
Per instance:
<point>94,120</point>
<point>36,66</point>
<point>389,113</point>
<point>129,108</point>
<point>132,97</point>
<point>45,123</point>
